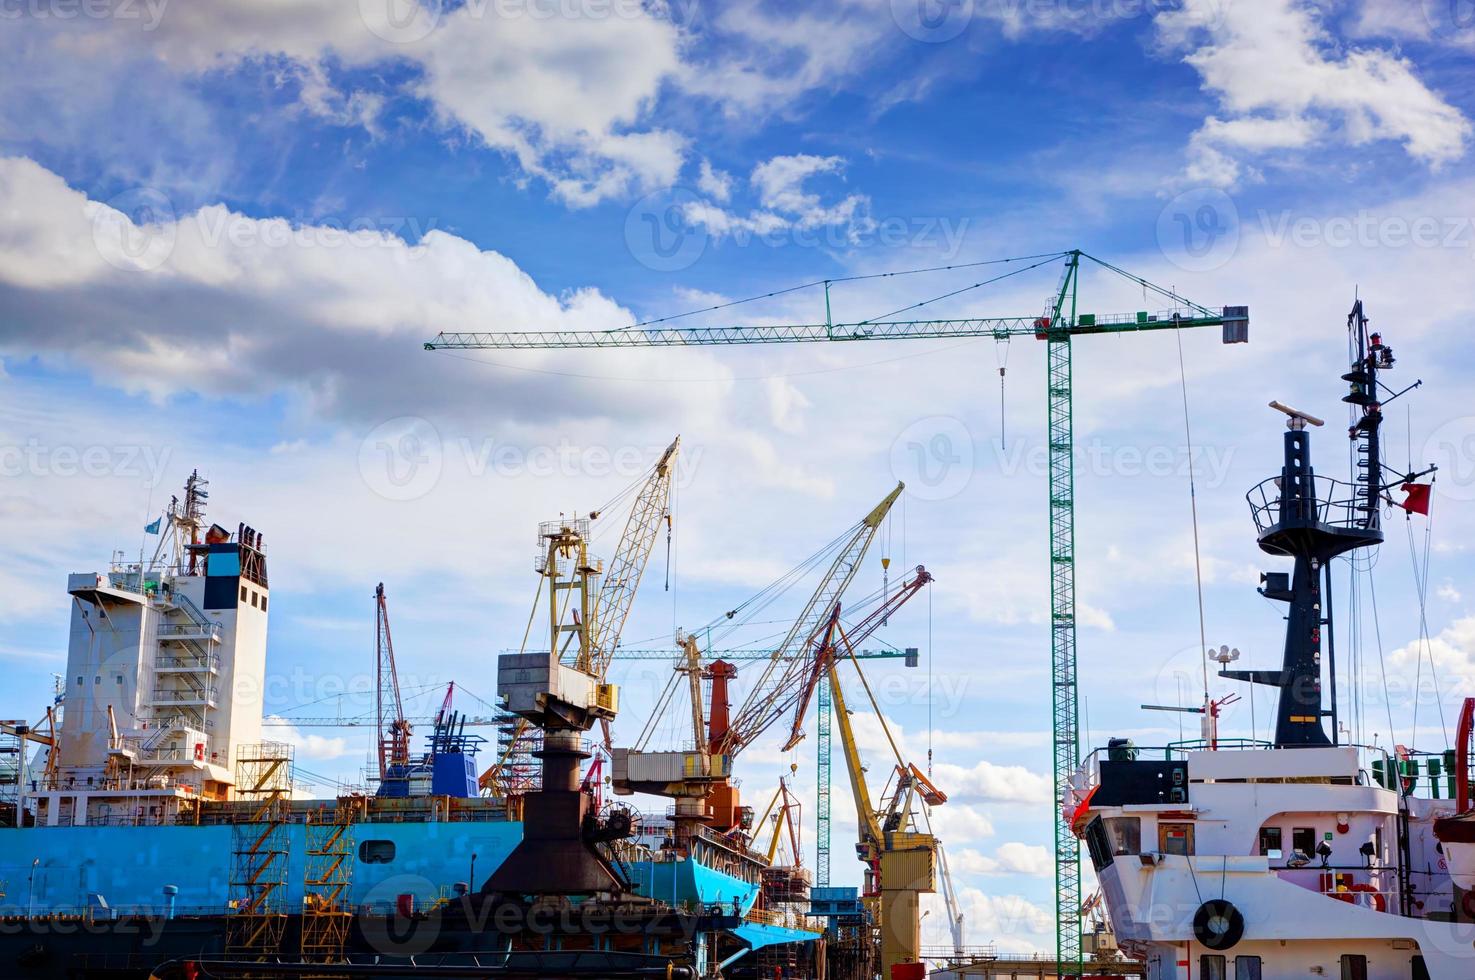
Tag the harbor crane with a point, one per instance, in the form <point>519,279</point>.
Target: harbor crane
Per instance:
<point>705,793</point>
<point>394,727</point>
<point>900,858</point>
<point>611,608</point>
<point>1058,326</point>
<point>562,690</point>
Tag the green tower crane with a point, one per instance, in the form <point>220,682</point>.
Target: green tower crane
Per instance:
<point>1058,326</point>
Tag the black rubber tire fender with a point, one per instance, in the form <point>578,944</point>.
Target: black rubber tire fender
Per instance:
<point>1218,924</point>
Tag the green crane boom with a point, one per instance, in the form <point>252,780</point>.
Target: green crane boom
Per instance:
<point>1058,326</point>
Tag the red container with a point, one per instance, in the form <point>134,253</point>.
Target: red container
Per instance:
<point>909,971</point>
<point>404,905</point>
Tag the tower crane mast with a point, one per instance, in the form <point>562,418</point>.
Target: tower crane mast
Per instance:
<point>1059,325</point>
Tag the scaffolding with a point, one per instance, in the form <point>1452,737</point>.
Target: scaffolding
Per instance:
<point>327,875</point>
<point>260,851</point>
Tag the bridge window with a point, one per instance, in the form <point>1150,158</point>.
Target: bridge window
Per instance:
<point>1354,966</point>
<point>1211,967</point>
<point>1270,843</point>
<point>1247,968</point>
<point>1125,834</point>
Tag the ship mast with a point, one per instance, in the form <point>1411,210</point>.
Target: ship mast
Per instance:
<point>1311,520</point>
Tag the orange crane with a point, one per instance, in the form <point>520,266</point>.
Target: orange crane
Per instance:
<point>700,780</point>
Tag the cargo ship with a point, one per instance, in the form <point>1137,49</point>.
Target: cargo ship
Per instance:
<point>149,826</point>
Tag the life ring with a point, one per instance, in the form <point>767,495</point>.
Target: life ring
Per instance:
<point>1369,897</point>
<point>1218,924</point>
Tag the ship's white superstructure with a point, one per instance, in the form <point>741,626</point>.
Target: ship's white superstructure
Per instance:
<point>163,680</point>
<point>1301,856</point>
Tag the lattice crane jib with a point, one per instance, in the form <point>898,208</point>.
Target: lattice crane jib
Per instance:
<point>394,728</point>
<point>780,681</point>
<point>1060,323</point>
<point>650,510</point>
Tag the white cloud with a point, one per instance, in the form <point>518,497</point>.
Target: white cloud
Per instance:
<point>315,305</point>
<point>1012,858</point>
<point>784,202</point>
<point>318,748</point>
<point>1283,83</point>
<point>786,405</point>
<point>716,184</point>
<point>1452,651</point>
<point>567,96</point>
<point>780,180</point>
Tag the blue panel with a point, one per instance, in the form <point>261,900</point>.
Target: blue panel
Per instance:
<point>757,935</point>
<point>224,563</point>
<point>454,775</point>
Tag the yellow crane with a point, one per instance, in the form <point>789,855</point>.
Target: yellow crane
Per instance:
<point>900,859</point>
<point>599,619</point>
<point>701,780</point>
<point>562,690</point>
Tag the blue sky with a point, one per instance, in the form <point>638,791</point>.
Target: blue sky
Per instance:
<point>228,229</point>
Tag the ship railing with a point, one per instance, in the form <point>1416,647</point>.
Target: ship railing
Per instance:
<point>206,630</point>
<point>1428,774</point>
<point>207,695</point>
<point>960,954</point>
<point>210,663</point>
<point>1373,887</point>
<point>1337,503</point>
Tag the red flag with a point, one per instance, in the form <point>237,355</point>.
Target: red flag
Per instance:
<point>1417,501</point>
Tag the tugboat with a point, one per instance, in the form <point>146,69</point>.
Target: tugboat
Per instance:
<point>1304,855</point>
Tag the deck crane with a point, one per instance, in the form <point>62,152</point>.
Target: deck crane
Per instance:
<point>394,728</point>
<point>1058,326</point>
<point>562,690</point>
<point>611,607</point>
<point>900,859</point>
<point>814,681</point>
<point>705,793</point>
<point>495,782</point>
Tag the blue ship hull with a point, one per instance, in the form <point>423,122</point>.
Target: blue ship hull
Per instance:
<point>130,866</point>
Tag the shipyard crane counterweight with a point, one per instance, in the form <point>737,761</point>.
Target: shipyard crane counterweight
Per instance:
<point>1057,327</point>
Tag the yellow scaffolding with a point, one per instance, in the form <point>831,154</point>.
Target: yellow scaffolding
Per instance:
<point>327,875</point>
<point>260,851</point>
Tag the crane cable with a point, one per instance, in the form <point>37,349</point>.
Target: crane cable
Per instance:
<point>1198,574</point>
